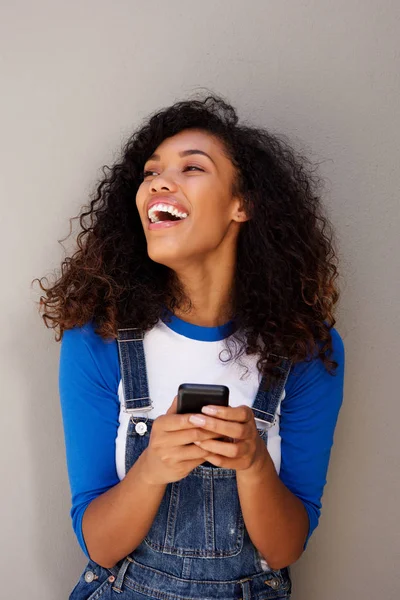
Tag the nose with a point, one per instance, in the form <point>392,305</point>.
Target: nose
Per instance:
<point>162,182</point>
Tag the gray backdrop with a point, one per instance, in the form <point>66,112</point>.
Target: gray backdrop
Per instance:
<point>77,78</point>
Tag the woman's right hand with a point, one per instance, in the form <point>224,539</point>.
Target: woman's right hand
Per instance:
<point>171,454</point>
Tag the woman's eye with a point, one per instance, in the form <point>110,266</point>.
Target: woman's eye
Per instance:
<point>147,173</point>
<point>193,167</point>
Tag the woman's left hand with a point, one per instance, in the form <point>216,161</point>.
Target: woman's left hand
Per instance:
<point>247,450</point>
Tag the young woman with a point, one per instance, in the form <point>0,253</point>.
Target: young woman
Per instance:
<point>204,257</point>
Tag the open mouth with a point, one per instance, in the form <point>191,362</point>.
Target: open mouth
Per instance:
<point>165,212</point>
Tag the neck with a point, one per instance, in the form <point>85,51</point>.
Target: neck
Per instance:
<point>209,290</point>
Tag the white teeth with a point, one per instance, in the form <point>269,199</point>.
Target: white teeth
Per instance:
<point>164,208</point>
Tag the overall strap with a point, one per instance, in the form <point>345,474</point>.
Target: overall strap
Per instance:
<point>267,400</point>
<point>133,369</point>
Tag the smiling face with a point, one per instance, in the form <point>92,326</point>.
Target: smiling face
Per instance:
<point>185,201</point>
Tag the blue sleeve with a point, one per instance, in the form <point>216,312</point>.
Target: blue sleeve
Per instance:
<point>309,414</point>
<point>88,385</point>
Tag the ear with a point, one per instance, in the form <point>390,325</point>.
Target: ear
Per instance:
<point>239,213</point>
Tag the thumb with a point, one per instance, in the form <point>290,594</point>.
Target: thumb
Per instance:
<point>173,408</point>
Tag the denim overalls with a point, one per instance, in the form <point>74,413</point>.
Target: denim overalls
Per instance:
<point>198,546</point>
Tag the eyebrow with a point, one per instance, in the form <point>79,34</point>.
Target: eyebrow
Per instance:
<point>184,153</point>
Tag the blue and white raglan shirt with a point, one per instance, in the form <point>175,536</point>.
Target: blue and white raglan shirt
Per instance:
<point>176,352</point>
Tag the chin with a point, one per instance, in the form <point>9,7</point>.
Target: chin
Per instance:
<point>168,259</point>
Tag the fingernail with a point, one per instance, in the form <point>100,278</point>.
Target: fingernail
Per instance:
<point>209,410</point>
<point>197,420</point>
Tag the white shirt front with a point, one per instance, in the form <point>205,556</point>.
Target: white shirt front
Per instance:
<point>172,359</point>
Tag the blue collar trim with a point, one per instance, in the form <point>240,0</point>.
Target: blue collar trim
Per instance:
<point>197,332</point>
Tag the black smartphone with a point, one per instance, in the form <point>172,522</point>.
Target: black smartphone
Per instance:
<point>193,396</point>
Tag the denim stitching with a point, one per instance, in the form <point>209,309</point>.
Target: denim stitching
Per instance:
<point>172,513</point>
<point>174,578</point>
<point>131,365</point>
<point>125,371</point>
<point>209,513</point>
<point>272,395</point>
<point>137,350</point>
<point>195,553</point>
<point>207,472</point>
<point>97,593</point>
<point>137,587</point>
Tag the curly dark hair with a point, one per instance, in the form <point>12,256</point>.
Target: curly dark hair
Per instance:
<point>284,288</point>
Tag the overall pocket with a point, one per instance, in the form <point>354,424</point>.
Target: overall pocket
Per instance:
<point>200,515</point>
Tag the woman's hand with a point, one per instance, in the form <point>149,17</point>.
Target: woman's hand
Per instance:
<point>247,450</point>
<point>171,453</point>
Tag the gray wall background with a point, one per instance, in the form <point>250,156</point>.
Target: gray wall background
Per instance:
<point>77,77</point>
